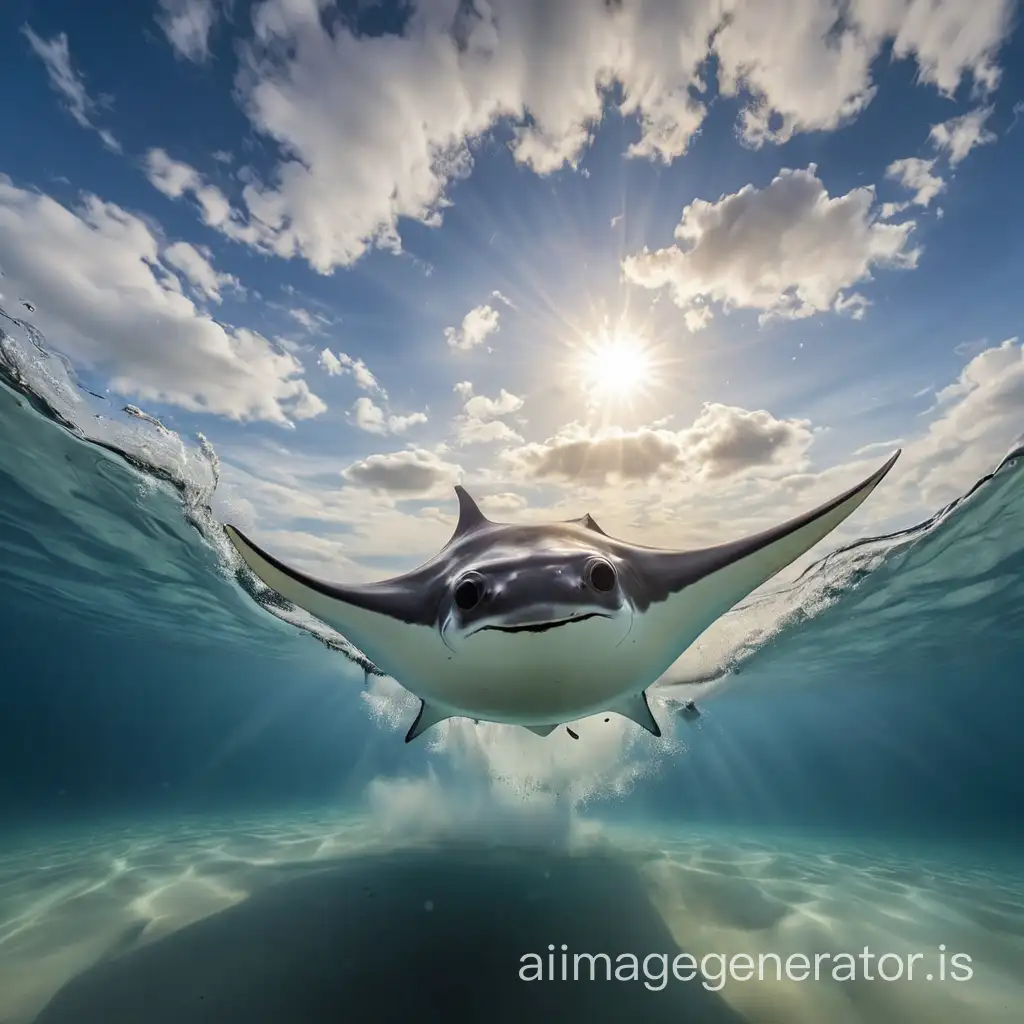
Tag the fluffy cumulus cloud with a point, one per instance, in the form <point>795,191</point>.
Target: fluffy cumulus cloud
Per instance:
<point>372,129</point>
<point>483,408</point>
<point>188,24</point>
<point>959,135</point>
<point>502,503</point>
<point>104,291</point>
<point>789,249</point>
<point>477,325</point>
<point>340,363</point>
<point>369,416</point>
<point>68,82</point>
<point>412,473</point>
<point>194,264</point>
<point>974,421</point>
<point>724,441</point>
<point>919,176</point>
<point>481,422</point>
<point>809,66</point>
<point>176,180</point>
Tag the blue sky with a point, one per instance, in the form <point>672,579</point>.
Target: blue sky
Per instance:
<point>574,256</point>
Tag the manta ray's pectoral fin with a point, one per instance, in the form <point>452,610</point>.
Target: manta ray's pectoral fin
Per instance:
<point>636,709</point>
<point>428,715</point>
<point>376,619</point>
<point>702,585</point>
<point>541,730</point>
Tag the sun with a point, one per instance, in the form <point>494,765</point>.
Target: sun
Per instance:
<point>616,366</point>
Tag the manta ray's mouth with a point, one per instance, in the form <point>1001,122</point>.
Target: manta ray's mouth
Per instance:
<point>542,627</point>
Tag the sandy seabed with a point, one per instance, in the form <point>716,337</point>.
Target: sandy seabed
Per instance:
<point>311,919</point>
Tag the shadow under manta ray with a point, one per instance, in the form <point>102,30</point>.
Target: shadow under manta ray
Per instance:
<point>542,624</point>
<point>438,935</point>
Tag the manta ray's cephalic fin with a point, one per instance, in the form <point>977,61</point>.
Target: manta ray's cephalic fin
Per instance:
<point>427,716</point>
<point>589,522</point>
<point>636,709</point>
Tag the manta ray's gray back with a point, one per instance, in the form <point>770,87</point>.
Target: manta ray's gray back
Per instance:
<point>472,520</point>
<point>415,597</point>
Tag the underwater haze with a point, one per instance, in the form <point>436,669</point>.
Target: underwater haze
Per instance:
<point>693,268</point>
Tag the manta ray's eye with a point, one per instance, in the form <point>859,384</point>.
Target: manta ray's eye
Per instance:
<point>601,576</point>
<point>469,592</point>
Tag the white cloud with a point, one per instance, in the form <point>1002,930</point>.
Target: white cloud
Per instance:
<point>480,420</point>
<point>483,408</point>
<point>995,366</point>
<point>808,63</point>
<point>853,304</point>
<point>804,71</point>
<point>504,503</point>
<point>918,176</point>
<point>270,487</point>
<point>312,322</point>
<point>412,473</point>
<point>723,441</point>
<point>463,389</point>
<point>342,363</point>
<point>970,428</point>
<point>369,417</point>
<point>951,40</point>
<point>172,177</point>
<point>959,135</point>
<point>374,129</point>
<point>789,249</point>
<point>477,325</point>
<point>176,179</point>
<point>373,419</point>
<point>878,448</point>
<point>69,83</point>
<point>471,431</point>
<point>400,424</point>
<point>187,25</point>
<point>195,265</point>
<point>104,297</point>
<point>331,363</point>
<point>889,210</point>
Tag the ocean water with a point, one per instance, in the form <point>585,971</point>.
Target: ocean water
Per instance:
<point>207,812</point>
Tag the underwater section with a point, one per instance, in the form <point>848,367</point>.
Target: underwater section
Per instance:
<point>208,812</point>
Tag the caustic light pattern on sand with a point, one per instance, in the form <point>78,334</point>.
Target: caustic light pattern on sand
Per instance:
<point>536,625</point>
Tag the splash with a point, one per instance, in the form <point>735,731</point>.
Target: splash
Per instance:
<point>158,455</point>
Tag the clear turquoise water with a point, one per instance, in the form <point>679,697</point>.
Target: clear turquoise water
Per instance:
<point>207,813</point>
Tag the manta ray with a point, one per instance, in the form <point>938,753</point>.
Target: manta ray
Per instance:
<point>539,625</point>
